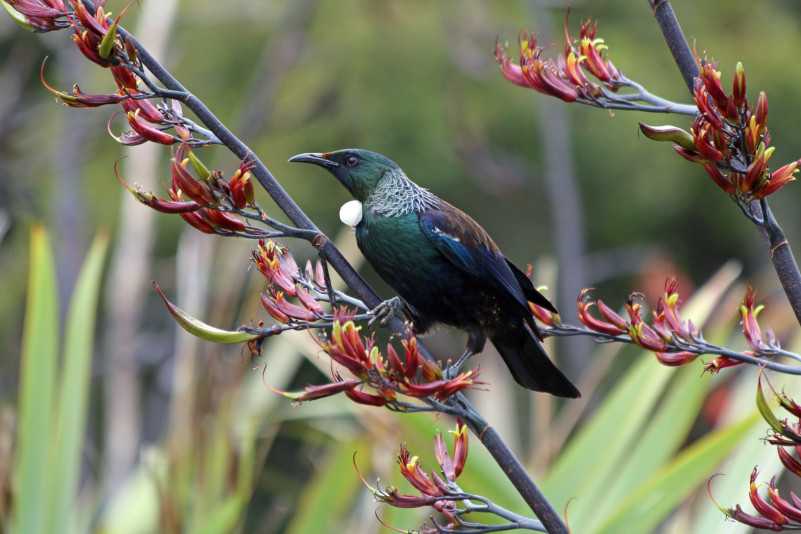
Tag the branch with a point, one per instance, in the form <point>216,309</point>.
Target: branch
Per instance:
<point>514,470</point>
<point>782,257</point>
<point>674,37</point>
<point>698,347</point>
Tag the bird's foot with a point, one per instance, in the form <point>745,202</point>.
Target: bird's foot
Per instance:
<point>452,370</point>
<point>385,311</point>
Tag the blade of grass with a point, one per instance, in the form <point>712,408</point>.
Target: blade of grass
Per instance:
<point>326,501</point>
<point>596,452</point>
<point>224,516</point>
<point>37,378</point>
<point>656,497</point>
<point>659,440</point>
<point>74,387</point>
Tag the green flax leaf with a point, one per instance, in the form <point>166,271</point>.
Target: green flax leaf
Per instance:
<point>198,328</point>
<point>74,385</point>
<point>37,385</point>
<point>765,411</point>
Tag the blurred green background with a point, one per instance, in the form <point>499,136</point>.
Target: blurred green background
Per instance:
<point>575,191</point>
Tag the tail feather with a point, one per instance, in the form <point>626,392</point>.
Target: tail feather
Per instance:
<point>530,365</point>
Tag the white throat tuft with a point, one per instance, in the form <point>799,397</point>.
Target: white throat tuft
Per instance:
<point>396,195</point>
<point>351,213</point>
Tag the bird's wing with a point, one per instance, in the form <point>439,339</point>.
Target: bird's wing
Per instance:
<point>468,247</point>
<point>529,290</point>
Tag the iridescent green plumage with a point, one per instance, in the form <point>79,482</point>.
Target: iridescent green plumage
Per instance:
<point>444,266</point>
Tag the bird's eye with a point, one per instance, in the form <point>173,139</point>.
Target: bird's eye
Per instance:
<point>352,160</point>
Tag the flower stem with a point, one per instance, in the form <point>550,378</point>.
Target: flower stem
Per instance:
<point>674,37</point>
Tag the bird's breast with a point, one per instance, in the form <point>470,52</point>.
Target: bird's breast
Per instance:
<point>412,265</point>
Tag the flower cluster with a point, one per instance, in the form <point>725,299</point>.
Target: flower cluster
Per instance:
<point>663,336</point>
<point>388,374</point>
<point>566,78</point>
<point>761,347</point>
<point>438,492</point>
<point>95,36</point>
<point>673,340</point>
<point>207,202</point>
<point>99,40</point>
<point>775,513</point>
<point>35,15</point>
<point>278,266</point>
<point>729,137</point>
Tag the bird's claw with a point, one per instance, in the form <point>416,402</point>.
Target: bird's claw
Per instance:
<point>452,371</point>
<point>385,311</point>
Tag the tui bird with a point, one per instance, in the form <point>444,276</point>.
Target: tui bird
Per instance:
<point>444,266</point>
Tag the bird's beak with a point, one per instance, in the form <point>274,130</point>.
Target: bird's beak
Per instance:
<point>316,158</point>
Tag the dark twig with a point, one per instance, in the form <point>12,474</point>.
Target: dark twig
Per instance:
<point>674,37</point>
<point>506,459</point>
<point>699,346</point>
<point>782,257</point>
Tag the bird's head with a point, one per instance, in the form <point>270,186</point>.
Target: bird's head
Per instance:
<point>360,171</point>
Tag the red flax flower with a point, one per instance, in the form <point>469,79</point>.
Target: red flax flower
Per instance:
<point>95,37</point>
<point>660,337</point>
<point>276,263</point>
<point>37,15</point>
<point>388,374</point>
<point>437,490</point>
<point>205,202</point>
<point>241,185</point>
<point>141,106</point>
<point>715,365</point>
<point>589,50</point>
<point>452,466</point>
<point>760,347</point>
<point>146,132</point>
<point>566,78</point>
<point>776,514</point>
<point>283,310</point>
<point>175,205</point>
<point>642,334</point>
<point>748,318</point>
<point>541,314</point>
<point>616,325</point>
<point>79,99</point>
<point>731,138</point>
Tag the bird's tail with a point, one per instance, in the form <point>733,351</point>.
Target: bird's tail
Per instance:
<point>530,365</point>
